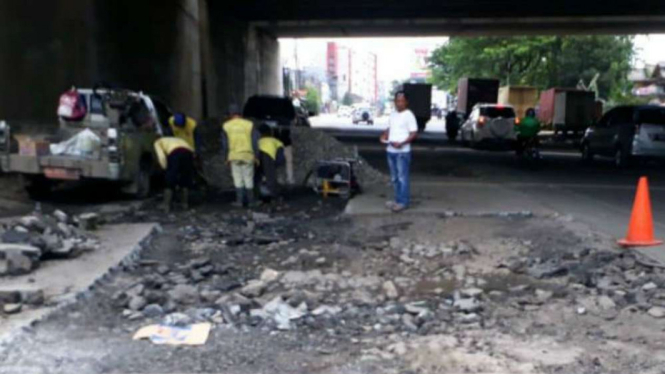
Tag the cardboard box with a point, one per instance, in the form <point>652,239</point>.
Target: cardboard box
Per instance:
<point>31,147</point>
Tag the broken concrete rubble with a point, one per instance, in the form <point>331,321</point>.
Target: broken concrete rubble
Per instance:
<point>18,263</point>
<point>34,238</point>
<point>184,294</point>
<point>12,308</point>
<point>370,295</point>
<point>468,305</point>
<point>152,311</point>
<point>390,290</point>
<point>471,292</point>
<point>254,288</point>
<point>269,275</point>
<point>657,312</point>
<point>280,312</point>
<point>326,310</point>
<point>61,216</point>
<point>136,303</point>
<point>88,221</point>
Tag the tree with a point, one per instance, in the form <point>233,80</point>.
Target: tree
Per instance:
<point>350,99</point>
<point>347,99</point>
<point>541,61</point>
<point>313,98</point>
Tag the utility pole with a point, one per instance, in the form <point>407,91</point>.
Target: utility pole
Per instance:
<point>297,74</point>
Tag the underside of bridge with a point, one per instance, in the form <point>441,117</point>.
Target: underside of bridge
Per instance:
<point>201,55</point>
<point>458,17</point>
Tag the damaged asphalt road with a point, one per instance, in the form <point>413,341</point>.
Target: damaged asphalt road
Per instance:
<point>305,289</point>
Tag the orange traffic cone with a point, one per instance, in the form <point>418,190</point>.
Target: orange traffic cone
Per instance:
<point>640,229</point>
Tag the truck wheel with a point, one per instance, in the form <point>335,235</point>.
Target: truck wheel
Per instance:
<point>37,187</point>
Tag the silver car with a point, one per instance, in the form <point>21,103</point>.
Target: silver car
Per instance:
<point>626,133</point>
<point>489,124</point>
<point>363,114</point>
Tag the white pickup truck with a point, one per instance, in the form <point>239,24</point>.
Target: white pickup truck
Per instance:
<point>126,125</point>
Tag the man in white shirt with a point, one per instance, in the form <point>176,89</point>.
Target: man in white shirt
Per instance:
<point>402,130</point>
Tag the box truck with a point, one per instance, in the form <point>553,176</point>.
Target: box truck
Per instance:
<point>420,102</point>
<point>567,109</point>
<point>471,91</point>
<point>520,98</point>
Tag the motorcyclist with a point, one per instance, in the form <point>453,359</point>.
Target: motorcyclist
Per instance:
<point>527,130</point>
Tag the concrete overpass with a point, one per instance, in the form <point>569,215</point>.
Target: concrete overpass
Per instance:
<point>452,17</point>
<point>200,55</point>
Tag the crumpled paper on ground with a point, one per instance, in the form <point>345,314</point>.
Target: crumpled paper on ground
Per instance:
<point>196,334</point>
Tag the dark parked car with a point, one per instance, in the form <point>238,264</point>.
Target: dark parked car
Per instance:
<point>271,110</point>
<point>627,133</point>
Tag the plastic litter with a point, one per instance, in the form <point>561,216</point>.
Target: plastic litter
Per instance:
<point>84,144</point>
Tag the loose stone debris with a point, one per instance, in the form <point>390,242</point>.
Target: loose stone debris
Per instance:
<point>32,239</point>
<point>388,294</point>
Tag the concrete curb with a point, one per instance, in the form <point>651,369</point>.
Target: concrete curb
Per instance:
<point>127,261</point>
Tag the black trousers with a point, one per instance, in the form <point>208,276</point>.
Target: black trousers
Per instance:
<point>267,169</point>
<point>180,169</point>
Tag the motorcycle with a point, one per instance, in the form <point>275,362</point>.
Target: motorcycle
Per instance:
<point>529,151</point>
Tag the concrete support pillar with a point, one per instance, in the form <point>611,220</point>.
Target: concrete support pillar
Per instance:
<point>156,49</point>
<point>191,53</point>
<point>186,92</point>
<point>262,64</point>
<point>42,53</point>
<point>209,79</point>
<point>270,73</point>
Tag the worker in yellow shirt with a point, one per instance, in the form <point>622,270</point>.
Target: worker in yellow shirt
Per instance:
<point>240,145</point>
<point>184,127</point>
<point>176,156</point>
<point>271,156</point>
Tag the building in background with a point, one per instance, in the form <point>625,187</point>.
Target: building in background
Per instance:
<point>351,71</point>
<point>649,81</point>
<point>420,72</point>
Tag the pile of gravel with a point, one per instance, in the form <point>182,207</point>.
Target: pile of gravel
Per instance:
<point>309,146</point>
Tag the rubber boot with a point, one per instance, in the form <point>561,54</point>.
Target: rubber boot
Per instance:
<point>240,198</point>
<point>185,199</point>
<point>168,198</point>
<point>251,199</point>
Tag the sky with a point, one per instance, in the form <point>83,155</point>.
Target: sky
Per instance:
<point>396,57</point>
<point>650,48</point>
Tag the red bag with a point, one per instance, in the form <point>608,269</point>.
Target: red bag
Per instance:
<point>72,106</point>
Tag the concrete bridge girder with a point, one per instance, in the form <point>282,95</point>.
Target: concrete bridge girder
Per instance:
<point>465,26</point>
